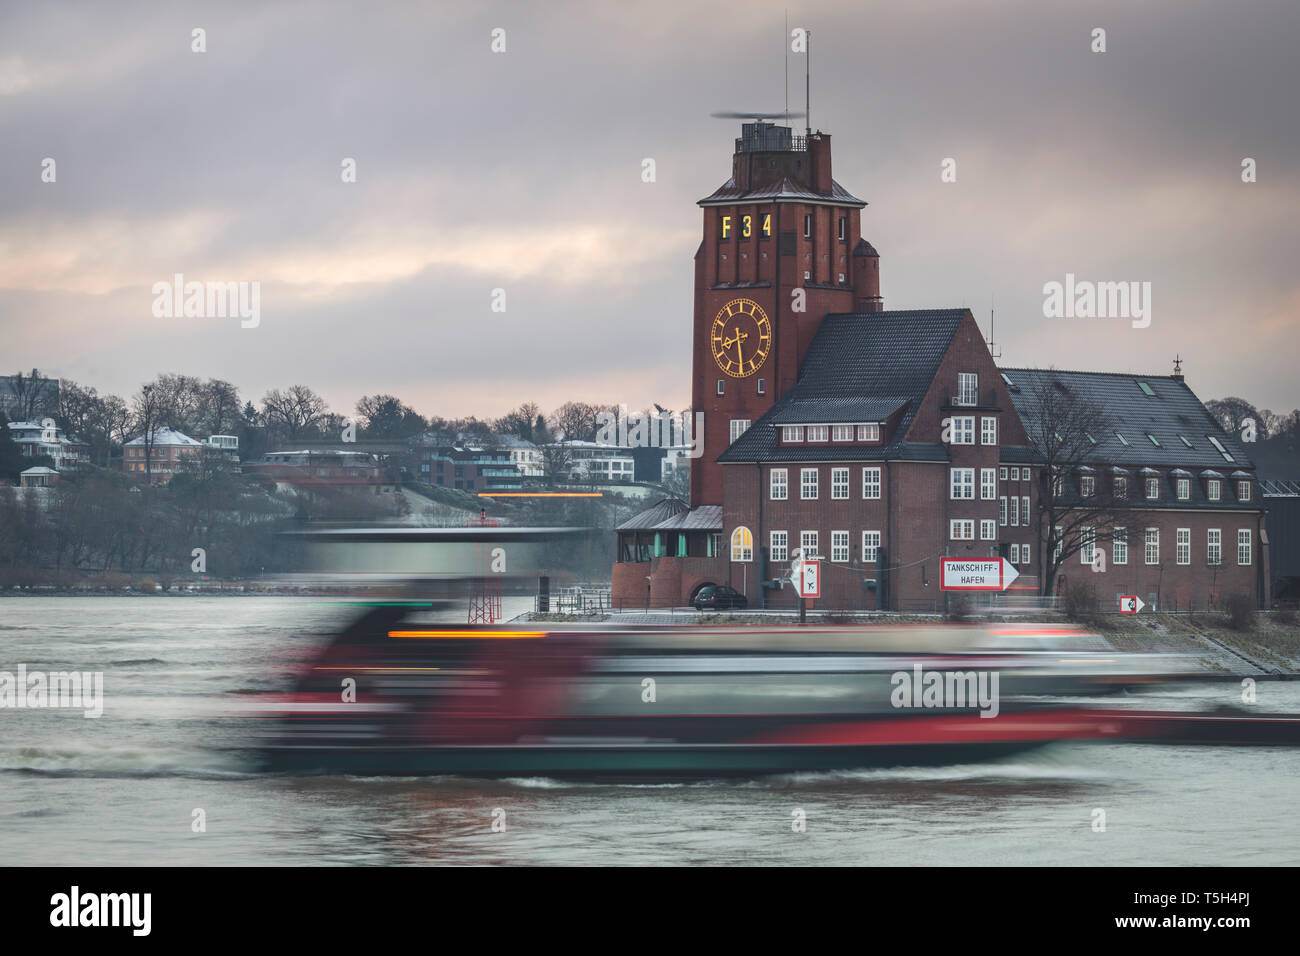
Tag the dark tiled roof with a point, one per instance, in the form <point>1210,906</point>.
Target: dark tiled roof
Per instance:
<point>1172,410</point>
<point>864,361</point>
<point>787,188</point>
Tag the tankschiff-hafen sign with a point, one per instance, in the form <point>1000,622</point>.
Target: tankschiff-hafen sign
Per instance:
<point>977,574</point>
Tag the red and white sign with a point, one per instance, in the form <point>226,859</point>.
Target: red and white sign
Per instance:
<point>809,579</point>
<point>976,574</point>
<point>1130,604</point>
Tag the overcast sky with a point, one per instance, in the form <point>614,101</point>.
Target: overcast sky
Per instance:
<point>522,170</point>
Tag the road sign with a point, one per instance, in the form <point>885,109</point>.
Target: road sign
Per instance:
<point>1130,604</point>
<point>810,579</point>
<point>976,574</point>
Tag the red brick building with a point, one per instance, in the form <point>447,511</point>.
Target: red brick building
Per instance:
<point>884,441</point>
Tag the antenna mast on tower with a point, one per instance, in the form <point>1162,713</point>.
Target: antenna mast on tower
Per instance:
<point>807,81</point>
<point>993,349</point>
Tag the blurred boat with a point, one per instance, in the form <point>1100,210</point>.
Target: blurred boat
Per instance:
<point>390,695</point>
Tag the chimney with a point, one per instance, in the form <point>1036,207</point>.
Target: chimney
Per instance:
<point>819,162</point>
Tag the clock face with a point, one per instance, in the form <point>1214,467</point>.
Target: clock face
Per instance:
<point>741,338</point>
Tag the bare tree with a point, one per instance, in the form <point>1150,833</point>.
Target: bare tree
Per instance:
<point>295,411</point>
<point>1080,501</point>
<point>148,417</point>
<point>1233,413</point>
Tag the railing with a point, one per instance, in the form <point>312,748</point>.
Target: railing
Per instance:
<point>577,600</point>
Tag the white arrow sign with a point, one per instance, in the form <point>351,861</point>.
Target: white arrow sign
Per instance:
<point>977,574</point>
<point>1130,604</point>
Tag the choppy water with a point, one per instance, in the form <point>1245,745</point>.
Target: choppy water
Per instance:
<point>122,789</point>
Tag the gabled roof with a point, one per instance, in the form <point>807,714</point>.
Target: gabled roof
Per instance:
<point>859,367</point>
<point>672,514</point>
<point>1170,411</point>
<point>787,189</point>
<point>166,436</point>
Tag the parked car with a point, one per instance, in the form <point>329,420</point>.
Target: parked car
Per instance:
<point>719,597</point>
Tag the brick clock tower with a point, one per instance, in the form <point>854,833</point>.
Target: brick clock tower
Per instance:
<point>782,249</point>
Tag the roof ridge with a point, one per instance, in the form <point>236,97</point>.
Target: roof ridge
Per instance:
<point>1076,371</point>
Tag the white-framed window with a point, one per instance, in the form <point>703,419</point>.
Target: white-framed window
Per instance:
<point>963,429</point>
<point>1184,488</point>
<point>819,433</point>
<point>1087,545</point>
<point>870,546</point>
<point>1058,486</point>
<point>840,485</point>
<point>1214,546</point>
<point>742,545</point>
<point>839,545</point>
<point>1015,511</point>
<point>1119,546</point>
<point>1015,474</point>
<point>738,426</point>
<point>1002,511</point>
<point>1183,545</point>
<point>988,431</point>
<point>808,484</point>
<point>1024,510</point>
<point>1243,490</point>
<point>1024,554</point>
<point>961,483</point>
<point>842,229</point>
<point>1243,546</point>
<point>1002,472</point>
<point>722,386</point>
<point>968,388</point>
<point>808,541</point>
<point>779,484</point>
<point>1153,488</point>
<point>988,529</point>
<point>1015,554</point>
<point>1121,486</point>
<point>1059,547</point>
<point>1152,546</point>
<point>870,482</point>
<point>1214,489</point>
<point>961,529</point>
<point>778,545</point>
<point>762,386</point>
<point>841,433</point>
<point>868,433</point>
<point>988,484</point>
<point>791,433</point>
<point>1087,485</point>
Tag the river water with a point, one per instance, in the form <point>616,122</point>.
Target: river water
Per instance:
<point>124,788</point>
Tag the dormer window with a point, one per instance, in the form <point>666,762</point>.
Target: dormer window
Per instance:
<point>1121,487</point>
<point>1184,489</point>
<point>1214,489</point>
<point>1153,488</point>
<point>819,432</point>
<point>791,433</point>
<point>1087,485</point>
<point>967,388</point>
<point>842,433</point>
<point>868,433</point>
<point>1243,490</point>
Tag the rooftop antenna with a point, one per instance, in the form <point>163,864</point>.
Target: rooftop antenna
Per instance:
<point>807,82</point>
<point>785,47</point>
<point>993,349</point>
